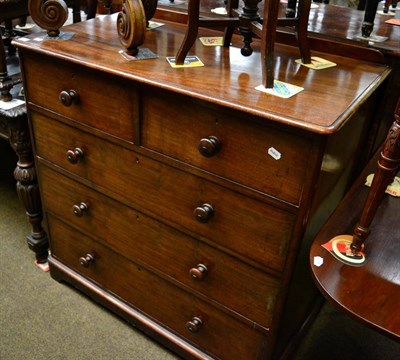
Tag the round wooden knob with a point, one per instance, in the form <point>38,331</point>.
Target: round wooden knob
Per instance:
<point>68,97</point>
<point>199,272</point>
<point>194,325</point>
<point>73,156</point>
<point>80,209</point>
<point>86,260</point>
<point>204,213</point>
<point>209,146</point>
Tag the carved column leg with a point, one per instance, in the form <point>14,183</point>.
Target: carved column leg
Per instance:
<point>388,164</point>
<point>27,187</point>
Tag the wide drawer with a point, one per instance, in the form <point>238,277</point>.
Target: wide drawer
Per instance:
<point>222,336</point>
<point>269,160</point>
<point>231,282</point>
<point>103,102</point>
<point>247,226</point>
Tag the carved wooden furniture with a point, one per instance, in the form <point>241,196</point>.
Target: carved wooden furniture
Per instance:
<point>14,128</point>
<point>369,293</point>
<point>250,23</point>
<point>388,164</point>
<point>180,201</point>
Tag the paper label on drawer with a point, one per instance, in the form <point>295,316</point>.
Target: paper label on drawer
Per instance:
<point>318,63</point>
<point>281,89</point>
<point>190,61</point>
<point>274,153</point>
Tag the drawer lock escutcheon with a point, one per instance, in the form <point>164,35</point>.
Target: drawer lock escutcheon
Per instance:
<point>69,97</point>
<point>199,272</point>
<point>73,156</point>
<point>204,213</point>
<point>80,209</point>
<point>86,260</point>
<point>209,146</point>
<point>194,325</point>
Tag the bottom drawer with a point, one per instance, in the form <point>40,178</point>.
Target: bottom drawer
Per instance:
<point>219,334</point>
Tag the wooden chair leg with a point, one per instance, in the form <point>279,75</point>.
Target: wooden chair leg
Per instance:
<point>302,30</point>
<point>191,31</point>
<point>91,9</point>
<point>369,18</point>
<point>388,164</point>
<point>271,8</point>
<point>76,11</point>
<point>228,33</point>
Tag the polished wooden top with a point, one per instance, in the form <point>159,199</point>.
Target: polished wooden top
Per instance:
<point>370,293</point>
<point>227,79</point>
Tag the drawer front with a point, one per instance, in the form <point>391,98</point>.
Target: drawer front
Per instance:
<point>244,225</point>
<point>234,284</point>
<point>266,159</point>
<point>221,335</point>
<point>103,102</point>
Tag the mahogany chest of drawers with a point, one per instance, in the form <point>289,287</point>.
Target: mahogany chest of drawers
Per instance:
<point>179,197</point>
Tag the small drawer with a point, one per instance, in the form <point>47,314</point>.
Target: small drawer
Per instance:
<point>231,282</point>
<point>227,218</point>
<point>241,149</point>
<point>197,321</point>
<point>90,97</point>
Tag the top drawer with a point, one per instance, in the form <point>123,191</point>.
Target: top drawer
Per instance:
<point>100,101</point>
<point>238,148</point>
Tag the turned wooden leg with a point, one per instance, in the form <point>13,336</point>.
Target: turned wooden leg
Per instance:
<point>27,186</point>
<point>388,164</point>
<point>191,31</point>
